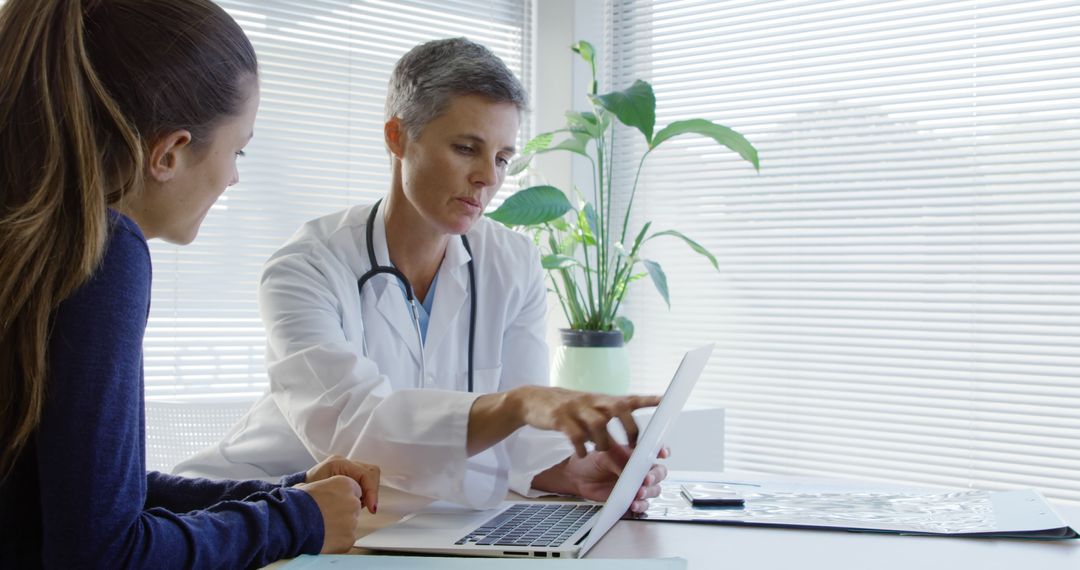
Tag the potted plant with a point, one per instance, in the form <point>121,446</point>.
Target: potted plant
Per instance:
<point>589,261</point>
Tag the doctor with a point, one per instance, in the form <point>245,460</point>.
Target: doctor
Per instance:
<point>447,393</point>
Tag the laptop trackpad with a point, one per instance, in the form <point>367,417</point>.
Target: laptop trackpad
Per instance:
<point>438,529</point>
<point>433,521</point>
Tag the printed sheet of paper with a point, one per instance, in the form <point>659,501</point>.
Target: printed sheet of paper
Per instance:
<point>1020,514</point>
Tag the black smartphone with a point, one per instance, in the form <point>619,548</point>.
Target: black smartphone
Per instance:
<point>711,495</point>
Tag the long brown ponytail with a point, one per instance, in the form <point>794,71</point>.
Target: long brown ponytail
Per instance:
<point>85,86</point>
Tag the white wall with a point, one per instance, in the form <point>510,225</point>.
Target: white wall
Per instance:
<point>561,82</point>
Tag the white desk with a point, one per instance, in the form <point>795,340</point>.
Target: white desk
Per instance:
<point>708,547</point>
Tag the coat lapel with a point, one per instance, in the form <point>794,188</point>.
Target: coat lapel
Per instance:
<point>451,296</point>
<point>395,311</point>
<point>391,303</point>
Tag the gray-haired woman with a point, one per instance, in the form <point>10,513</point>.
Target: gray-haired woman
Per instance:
<point>411,332</point>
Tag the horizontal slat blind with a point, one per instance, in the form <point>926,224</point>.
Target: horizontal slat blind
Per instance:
<point>318,148</point>
<point>899,290</point>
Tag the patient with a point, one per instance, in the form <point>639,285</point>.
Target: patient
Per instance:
<point>121,121</point>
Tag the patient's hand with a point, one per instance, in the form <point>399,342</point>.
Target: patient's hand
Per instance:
<point>365,475</point>
<point>341,488</point>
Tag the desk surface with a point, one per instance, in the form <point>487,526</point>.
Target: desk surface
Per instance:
<point>708,547</point>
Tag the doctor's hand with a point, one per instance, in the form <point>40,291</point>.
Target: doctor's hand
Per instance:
<point>582,416</point>
<point>593,476</point>
<point>342,488</point>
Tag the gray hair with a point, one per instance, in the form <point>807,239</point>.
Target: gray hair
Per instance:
<point>431,74</point>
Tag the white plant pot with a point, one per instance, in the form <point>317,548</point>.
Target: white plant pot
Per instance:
<point>592,361</point>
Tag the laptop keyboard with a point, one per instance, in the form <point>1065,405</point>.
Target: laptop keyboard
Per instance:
<point>532,525</point>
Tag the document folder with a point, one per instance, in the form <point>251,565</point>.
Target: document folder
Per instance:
<point>969,513</point>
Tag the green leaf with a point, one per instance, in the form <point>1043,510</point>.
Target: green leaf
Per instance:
<point>659,279</point>
<point>568,245</point>
<point>634,106</point>
<point>585,122</point>
<point>576,144</point>
<point>519,164</point>
<point>693,245</point>
<point>531,206</point>
<point>538,143</point>
<point>553,243</point>
<point>626,326</point>
<point>560,224</point>
<point>584,232</point>
<point>556,261</point>
<point>618,290</point>
<point>590,217</point>
<point>639,238</point>
<point>718,133</point>
<point>586,51</point>
<point>622,284</point>
<point>605,121</point>
<point>580,197</point>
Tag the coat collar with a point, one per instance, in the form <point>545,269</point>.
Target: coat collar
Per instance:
<point>451,294</point>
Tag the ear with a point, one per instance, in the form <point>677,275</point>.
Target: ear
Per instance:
<point>164,158</point>
<point>395,136</point>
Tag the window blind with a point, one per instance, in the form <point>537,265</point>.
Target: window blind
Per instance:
<point>317,148</point>
<point>899,288</point>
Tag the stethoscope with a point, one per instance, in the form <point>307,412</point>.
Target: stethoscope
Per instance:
<point>377,269</point>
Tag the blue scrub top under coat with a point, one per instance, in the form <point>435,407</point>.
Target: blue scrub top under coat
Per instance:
<point>424,309</point>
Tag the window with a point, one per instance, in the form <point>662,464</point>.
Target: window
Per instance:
<point>317,149</point>
<point>899,293</point>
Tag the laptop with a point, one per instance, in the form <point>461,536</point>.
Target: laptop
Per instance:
<point>542,529</point>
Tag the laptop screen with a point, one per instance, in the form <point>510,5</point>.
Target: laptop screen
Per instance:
<point>648,445</point>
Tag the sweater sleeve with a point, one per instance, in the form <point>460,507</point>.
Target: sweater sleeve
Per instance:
<point>182,494</point>
<point>93,485</point>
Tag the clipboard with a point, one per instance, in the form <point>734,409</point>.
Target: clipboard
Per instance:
<point>968,513</point>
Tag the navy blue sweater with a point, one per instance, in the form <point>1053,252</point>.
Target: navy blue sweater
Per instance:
<point>80,496</point>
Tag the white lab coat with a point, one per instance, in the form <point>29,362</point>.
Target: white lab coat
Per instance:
<point>327,397</point>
